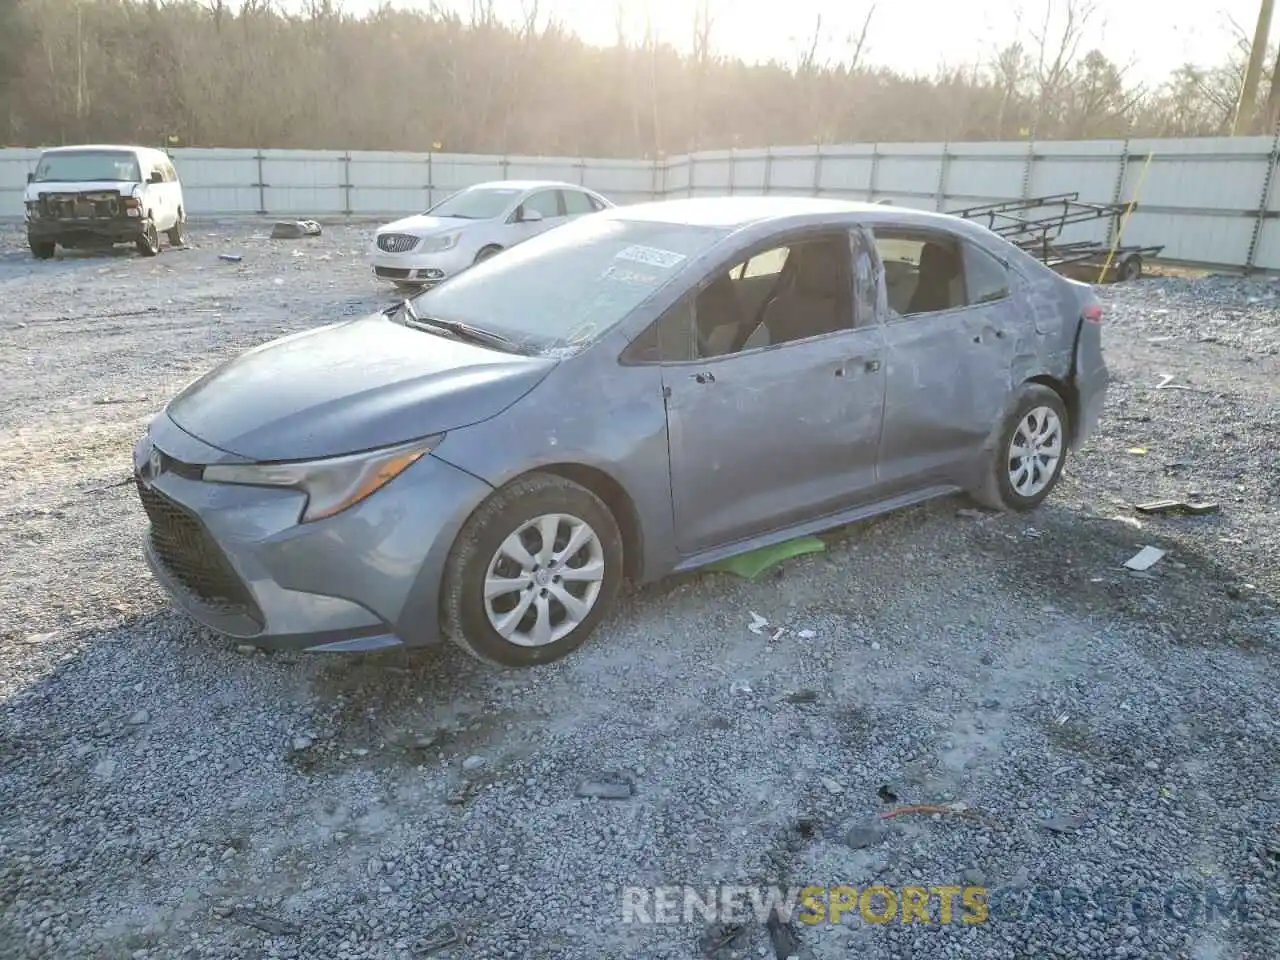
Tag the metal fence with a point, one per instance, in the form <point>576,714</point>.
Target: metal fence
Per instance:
<point>1208,201</point>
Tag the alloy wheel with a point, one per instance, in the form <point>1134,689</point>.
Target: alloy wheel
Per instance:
<point>544,579</point>
<point>1035,451</point>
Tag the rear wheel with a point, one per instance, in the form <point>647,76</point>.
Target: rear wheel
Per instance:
<point>149,242</point>
<point>177,234</point>
<point>1030,453</point>
<point>532,573</point>
<point>42,249</point>
<point>1130,268</point>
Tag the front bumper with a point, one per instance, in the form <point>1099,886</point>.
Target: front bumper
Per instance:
<point>426,269</point>
<point>79,230</point>
<point>237,560</point>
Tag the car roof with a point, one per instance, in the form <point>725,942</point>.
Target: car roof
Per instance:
<point>524,185</point>
<point>736,212</point>
<point>117,147</point>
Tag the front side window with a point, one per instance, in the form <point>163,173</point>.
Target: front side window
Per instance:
<point>476,203</point>
<point>81,166</point>
<point>782,294</point>
<point>567,287</point>
<point>545,202</point>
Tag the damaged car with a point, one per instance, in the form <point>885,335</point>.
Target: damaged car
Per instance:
<point>644,391</point>
<point>473,225</point>
<point>87,197</point>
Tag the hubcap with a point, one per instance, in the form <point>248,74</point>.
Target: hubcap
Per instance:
<point>544,580</point>
<point>1034,451</point>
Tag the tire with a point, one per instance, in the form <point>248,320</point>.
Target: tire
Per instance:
<point>177,234</point>
<point>486,252</point>
<point>149,242</point>
<point>1036,405</point>
<point>43,249</point>
<point>1130,268</point>
<point>466,613</point>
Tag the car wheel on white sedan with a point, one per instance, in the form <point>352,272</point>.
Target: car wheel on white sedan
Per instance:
<point>492,250</point>
<point>532,573</point>
<point>1032,450</point>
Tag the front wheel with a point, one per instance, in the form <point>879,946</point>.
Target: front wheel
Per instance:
<point>532,573</point>
<point>42,249</point>
<point>486,252</point>
<point>149,242</point>
<point>1030,453</point>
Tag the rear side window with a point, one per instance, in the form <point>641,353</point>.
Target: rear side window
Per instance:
<point>987,278</point>
<point>576,203</point>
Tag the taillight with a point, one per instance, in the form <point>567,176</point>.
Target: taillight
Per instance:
<point>1093,313</point>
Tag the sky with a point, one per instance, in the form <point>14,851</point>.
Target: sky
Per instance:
<point>1150,37</point>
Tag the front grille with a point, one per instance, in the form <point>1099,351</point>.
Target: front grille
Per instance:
<point>392,273</point>
<point>183,547</point>
<point>82,206</point>
<point>396,242</point>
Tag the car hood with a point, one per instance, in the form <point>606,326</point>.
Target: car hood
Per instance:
<point>423,225</point>
<point>123,187</point>
<point>350,386</point>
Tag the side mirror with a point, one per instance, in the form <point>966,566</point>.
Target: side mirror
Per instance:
<point>530,216</point>
<point>156,177</point>
<point>31,178</point>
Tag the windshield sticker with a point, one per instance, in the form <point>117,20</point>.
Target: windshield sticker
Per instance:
<point>627,275</point>
<point>653,256</point>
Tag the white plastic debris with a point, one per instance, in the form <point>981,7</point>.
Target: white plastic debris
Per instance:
<point>1144,559</point>
<point>758,623</point>
<point>807,634</point>
<point>739,686</point>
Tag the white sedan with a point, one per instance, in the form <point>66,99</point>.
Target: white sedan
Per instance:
<point>474,224</point>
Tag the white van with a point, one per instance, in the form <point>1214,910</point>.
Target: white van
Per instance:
<point>96,196</point>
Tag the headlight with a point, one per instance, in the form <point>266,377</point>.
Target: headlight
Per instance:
<point>331,485</point>
<point>435,244</point>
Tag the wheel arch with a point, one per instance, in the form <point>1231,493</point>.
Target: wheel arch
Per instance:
<point>615,497</point>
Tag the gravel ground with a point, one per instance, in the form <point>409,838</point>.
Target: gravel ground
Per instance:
<point>1098,734</point>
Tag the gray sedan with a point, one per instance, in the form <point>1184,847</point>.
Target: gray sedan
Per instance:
<point>645,390</point>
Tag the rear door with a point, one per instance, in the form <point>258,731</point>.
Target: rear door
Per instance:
<point>949,341</point>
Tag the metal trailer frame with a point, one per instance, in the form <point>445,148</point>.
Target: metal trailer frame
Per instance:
<point>1038,235</point>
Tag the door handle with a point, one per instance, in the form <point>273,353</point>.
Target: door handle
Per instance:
<point>872,366</point>
<point>704,376</point>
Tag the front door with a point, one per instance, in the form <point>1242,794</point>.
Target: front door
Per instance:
<point>772,435</point>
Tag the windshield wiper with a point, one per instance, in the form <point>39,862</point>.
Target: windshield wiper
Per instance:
<point>463,331</point>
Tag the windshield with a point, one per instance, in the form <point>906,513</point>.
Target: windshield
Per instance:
<point>476,204</point>
<point>84,165</point>
<point>570,285</point>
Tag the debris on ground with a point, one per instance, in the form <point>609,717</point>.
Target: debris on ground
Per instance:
<point>272,926</point>
<point>445,935</point>
<point>1193,508</point>
<point>606,788</point>
<point>294,229</point>
<point>724,941</point>
<point>1144,559</point>
<point>751,564</point>
<point>1063,824</point>
<point>230,257</point>
<point>757,624</point>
